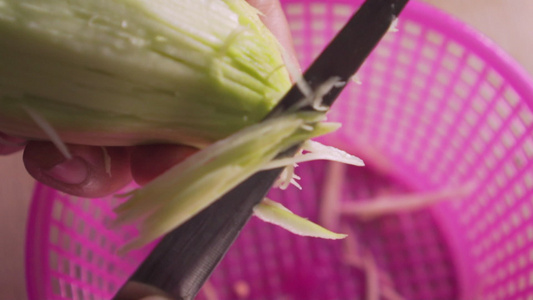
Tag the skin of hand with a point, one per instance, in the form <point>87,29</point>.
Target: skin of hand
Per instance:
<point>99,171</point>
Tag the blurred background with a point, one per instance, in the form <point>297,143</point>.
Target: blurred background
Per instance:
<point>508,23</point>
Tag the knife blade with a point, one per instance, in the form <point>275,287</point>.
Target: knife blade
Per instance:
<point>183,260</point>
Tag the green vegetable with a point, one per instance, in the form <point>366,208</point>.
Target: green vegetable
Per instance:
<point>126,72</point>
<point>275,213</point>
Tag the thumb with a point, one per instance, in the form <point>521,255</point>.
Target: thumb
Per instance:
<point>91,172</point>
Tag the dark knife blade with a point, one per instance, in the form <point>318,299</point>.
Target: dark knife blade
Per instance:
<point>180,264</point>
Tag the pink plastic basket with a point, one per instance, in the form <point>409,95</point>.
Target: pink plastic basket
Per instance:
<point>440,106</point>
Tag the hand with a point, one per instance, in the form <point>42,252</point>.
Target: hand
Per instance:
<point>99,171</point>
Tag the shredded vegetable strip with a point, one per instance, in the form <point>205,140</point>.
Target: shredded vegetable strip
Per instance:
<point>277,214</point>
<point>379,206</point>
<point>317,151</point>
<point>49,131</point>
<point>377,282</point>
<point>372,277</point>
<point>331,195</point>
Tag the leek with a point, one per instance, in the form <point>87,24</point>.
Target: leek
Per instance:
<point>125,72</point>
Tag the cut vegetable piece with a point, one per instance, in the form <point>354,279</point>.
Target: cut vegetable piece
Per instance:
<point>385,205</point>
<point>376,281</point>
<point>180,193</point>
<point>49,131</point>
<point>329,215</point>
<point>275,213</point>
<point>317,151</point>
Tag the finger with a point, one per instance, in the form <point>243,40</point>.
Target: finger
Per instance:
<point>274,19</point>
<point>150,161</point>
<point>10,144</point>
<point>91,172</point>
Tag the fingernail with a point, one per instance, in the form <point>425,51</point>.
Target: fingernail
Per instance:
<point>72,171</point>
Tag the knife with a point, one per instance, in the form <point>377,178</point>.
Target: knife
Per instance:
<point>183,260</point>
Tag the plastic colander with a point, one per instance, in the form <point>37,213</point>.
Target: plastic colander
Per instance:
<point>439,107</point>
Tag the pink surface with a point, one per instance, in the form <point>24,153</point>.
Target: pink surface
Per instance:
<point>439,107</point>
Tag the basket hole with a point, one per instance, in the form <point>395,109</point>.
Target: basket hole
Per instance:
<point>80,228</point>
<point>490,162</point>
<point>100,281</point>
<point>54,234</point>
<point>494,79</point>
<point>89,256</point>
<point>318,25</point>
<point>76,271</point>
<point>53,260</point>
<point>77,249</point>
<point>429,52</point>
<point>468,76</point>
<point>435,37</point>
<point>510,169</point>
<point>408,43</point>
<point>476,63</point>
<point>494,121</point>
<point>424,67</point>
<point>90,278</point>
<point>318,41</point>
<point>529,233</point>
<point>412,28</point>
<point>526,116</point>
<point>498,151</point>
<point>57,210</point>
<point>342,10</point>
<point>380,66</point>
<point>471,117</point>
<point>318,8</point>
<point>503,109</point>
<point>338,25</point>
<point>508,140</point>
<point>528,180</point>
<point>103,241</point>
<point>519,191</point>
<point>65,265</point>
<point>461,90</point>
<point>443,78</point>
<point>97,213</point>
<point>92,234</point>
<point>296,25</point>
<point>69,218</point>
<point>56,286</point>
<point>294,9</point>
<point>79,291</point>
<point>487,92</point>
<point>67,287</point>
<point>455,49</point>
<point>528,147</point>
<point>449,63</point>
<point>511,96</point>
<point>383,51</point>
<point>518,128</point>
<point>86,205</point>
<point>479,105</point>
<point>437,92</point>
<point>419,81</point>
<point>404,58</point>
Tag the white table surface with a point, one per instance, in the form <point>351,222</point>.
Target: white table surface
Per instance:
<point>507,22</point>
